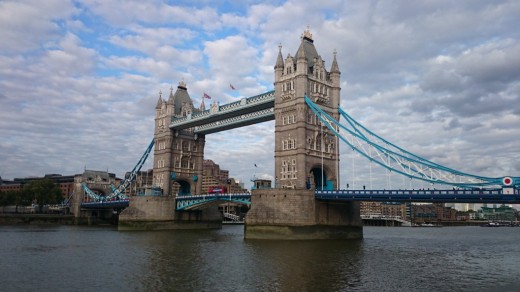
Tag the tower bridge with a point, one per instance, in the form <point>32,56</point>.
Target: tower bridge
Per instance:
<point>306,202</point>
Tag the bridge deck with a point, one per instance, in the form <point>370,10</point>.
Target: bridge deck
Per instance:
<point>433,196</point>
<point>192,202</point>
<point>247,111</point>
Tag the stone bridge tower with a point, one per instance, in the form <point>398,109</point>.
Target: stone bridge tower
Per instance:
<point>306,153</point>
<point>306,156</point>
<point>178,155</point>
<point>178,164</point>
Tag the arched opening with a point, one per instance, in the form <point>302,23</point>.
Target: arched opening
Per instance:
<point>320,178</point>
<point>184,187</point>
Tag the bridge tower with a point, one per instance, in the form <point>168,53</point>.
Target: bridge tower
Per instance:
<point>178,155</point>
<point>306,153</point>
<point>306,156</point>
<point>178,165</point>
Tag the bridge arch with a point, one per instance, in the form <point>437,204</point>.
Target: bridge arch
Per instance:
<point>320,177</point>
<point>183,186</point>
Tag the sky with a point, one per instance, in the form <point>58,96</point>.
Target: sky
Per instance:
<point>79,80</point>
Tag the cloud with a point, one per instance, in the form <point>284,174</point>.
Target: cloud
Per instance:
<point>31,25</point>
<point>80,80</point>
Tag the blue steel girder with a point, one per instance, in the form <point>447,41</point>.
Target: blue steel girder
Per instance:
<point>255,109</point>
<point>119,192</point>
<point>398,160</point>
<point>503,196</point>
<point>236,122</point>
<point>197,202</point>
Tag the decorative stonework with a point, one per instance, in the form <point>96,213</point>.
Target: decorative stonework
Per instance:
<point>299,135</point>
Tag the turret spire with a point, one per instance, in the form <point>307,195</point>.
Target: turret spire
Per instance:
<point>159,101</point>
<point>334,68</point>
<point>279,60</point>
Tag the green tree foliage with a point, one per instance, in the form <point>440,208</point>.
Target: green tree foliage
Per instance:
<point>17,198</point>
<point>43,191</point>
<point>6,198</point>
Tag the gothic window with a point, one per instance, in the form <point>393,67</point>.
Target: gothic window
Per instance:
<point>185,146</point>
<point>185,162</point>
<point>318,142</point>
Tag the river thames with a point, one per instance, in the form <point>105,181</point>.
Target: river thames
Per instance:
<point>81,258</point>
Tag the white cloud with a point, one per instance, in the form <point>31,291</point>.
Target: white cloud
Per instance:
<point>80,80</point>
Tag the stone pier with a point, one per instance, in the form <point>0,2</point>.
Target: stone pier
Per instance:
<point>158,213</point>
<point>294,214</point>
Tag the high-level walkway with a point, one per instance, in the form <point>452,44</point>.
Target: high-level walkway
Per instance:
<point>247,111</point>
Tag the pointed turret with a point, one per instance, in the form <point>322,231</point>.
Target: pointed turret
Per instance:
<point>334,68</point>
<point>279,60</point>
<point>278,68</point>
<point>159,101</point>
<point>202,106</point>
<point>171,98</point>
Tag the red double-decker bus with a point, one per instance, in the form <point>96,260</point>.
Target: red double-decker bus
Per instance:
<point>217,190</point>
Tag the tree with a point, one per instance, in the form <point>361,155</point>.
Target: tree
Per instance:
<point>43,191</point>
<point>17,198</point>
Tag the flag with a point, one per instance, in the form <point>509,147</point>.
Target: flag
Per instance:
<point>207,96</point>
<point>232,87</point>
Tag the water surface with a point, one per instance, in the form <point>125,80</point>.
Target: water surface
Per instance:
<point>80,258</point>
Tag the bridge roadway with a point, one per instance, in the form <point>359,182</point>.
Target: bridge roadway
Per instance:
<point>246,111</point>
<point>509,196</point>
<point>189,202</point>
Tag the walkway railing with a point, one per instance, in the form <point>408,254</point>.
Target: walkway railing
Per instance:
<point>219,113</point>
<point>202,201</point>
<point>504,196</point>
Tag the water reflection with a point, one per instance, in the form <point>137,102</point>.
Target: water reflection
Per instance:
<point>70,258</point>
<point>222,260</point>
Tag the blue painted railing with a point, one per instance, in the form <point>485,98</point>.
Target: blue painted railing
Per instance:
<point>502,196</point>
<point>190,202</point>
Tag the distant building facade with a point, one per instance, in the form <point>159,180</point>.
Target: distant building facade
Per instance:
<point>383,209</point>
<point>429,213</point>
<point>64,182</point>
<point>500,213</point>
<point>212,176</point>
